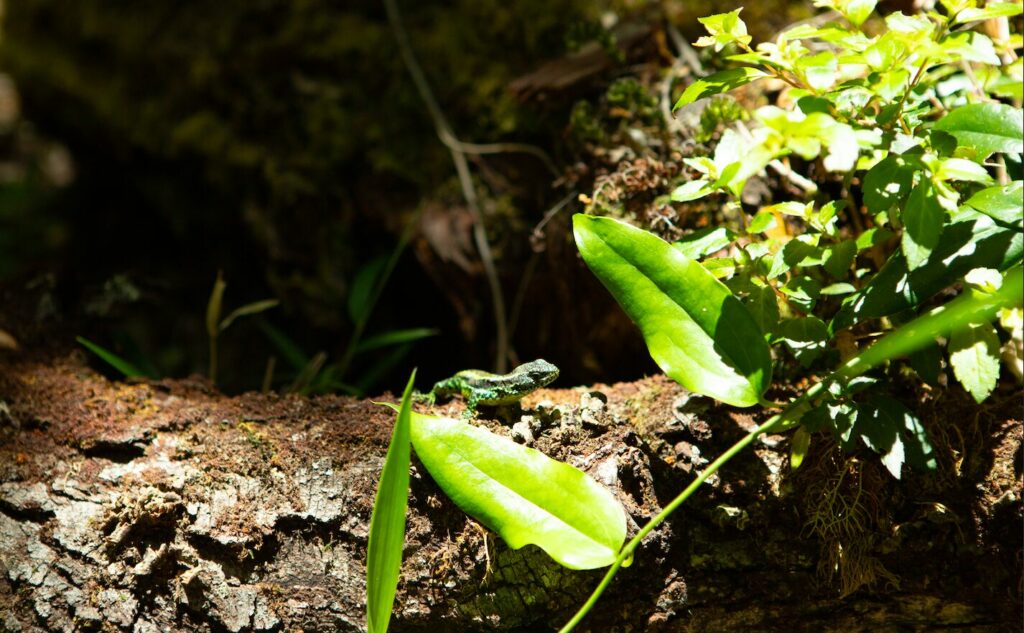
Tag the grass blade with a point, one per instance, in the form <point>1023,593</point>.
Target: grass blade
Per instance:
<point>387,524</point>
<point>111,358</point>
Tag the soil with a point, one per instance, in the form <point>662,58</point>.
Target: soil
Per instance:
<point>163,505</point>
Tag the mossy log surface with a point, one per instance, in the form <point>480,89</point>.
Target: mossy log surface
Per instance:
<point>167,506</point>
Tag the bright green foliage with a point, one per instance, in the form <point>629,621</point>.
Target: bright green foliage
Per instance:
<point>387,523</point>
<point>901,117</point>
<point>695,329</point>
<point>522,494</point>
<point>724,29</point>
<point>1002,204</point>
<point>718,83</point>
<point>986,128</point>
<point>974,355</point>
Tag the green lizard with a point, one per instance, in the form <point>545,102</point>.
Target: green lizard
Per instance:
<point>480,387</point>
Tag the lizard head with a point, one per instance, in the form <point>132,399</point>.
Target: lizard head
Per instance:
<point>540,372</point>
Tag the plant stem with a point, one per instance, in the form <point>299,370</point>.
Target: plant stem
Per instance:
<point>968,308</point>
<point>627,551</point>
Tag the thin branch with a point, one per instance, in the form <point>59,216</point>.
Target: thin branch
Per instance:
<point>444,132</point>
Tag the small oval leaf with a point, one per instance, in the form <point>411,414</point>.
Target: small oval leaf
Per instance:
<point>986,127</point>
<point>695,329</point>
<point>521,493</point>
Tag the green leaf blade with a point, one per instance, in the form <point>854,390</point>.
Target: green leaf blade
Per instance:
<point>696,330</point>
<point>522,494</point>
<point>120,364</point>
<point>1003,204</point>
<point>922,219</point>
<point>986,127</point>
<point>722,81</point>
<point>387,523</point>
<point>974,355</point>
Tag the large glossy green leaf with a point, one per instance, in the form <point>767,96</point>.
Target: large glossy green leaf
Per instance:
<point>975,241</point>
<point>986,127</point>
<point>521,493</point>
<point>387,524</point>
<point>695,329</point>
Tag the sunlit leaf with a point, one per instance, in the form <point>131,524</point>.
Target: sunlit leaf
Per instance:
<point>974,356</point>
<point>695,329</point>
<point>704,242</point>
<point>1004,204</point>
<point>986,127</point>
<point>722,81</point>
<point>387,523</point>
<point>522,494</point>
<point>976,241</point>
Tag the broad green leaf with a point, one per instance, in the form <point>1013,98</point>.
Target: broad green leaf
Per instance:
<point>1004,204</point>
<point>722,81</point>
<point>247,310</point>
<point>970,46</point>
<point>922,224</point>
<point>986,127</point>
<point>387,523</point>
<point>704,241</point>
<point>992,10</point>
<point>112,359</point>
<point>888,183</point>
<point>975,241</point>
<point>974,355</point>
<point>963,169</point>
<point>695,329</point>
<point>807,337</point>
<point>395,337</point>
<point>522,494</point>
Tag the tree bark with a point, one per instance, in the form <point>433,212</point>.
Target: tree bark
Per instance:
<point>164,506</point>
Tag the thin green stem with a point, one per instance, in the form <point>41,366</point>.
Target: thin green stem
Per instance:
<point>627,551</point>
<point>968,308</point>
